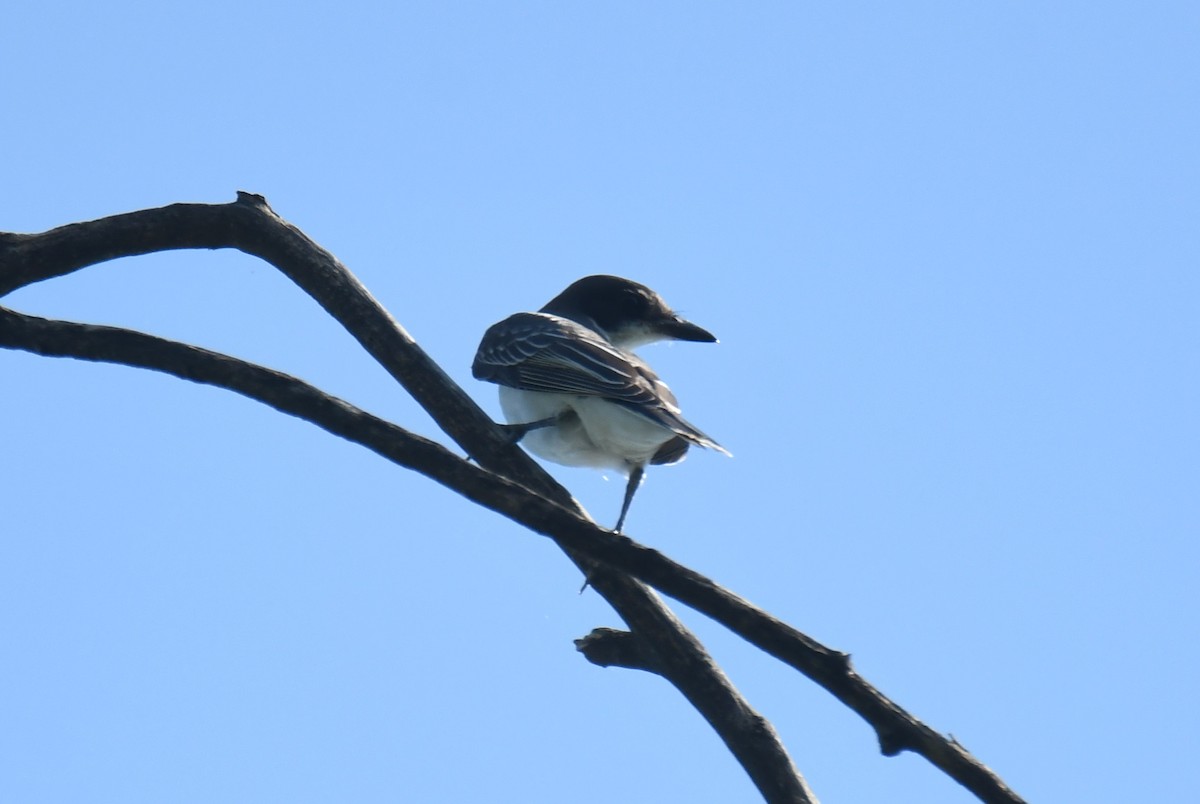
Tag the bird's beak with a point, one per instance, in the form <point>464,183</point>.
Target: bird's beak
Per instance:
<point>682,330</point>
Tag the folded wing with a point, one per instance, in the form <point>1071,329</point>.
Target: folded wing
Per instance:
<point>543,352</point>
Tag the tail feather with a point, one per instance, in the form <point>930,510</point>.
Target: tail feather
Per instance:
<point>686,430</point>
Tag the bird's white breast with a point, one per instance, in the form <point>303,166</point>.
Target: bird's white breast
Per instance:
<point>601,434</point>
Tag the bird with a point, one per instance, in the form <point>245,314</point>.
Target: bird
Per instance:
<point>572,390</point>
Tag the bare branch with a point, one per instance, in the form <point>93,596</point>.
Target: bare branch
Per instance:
<point>251,226</point>
<point>610,647</point>
<point>657,642</point>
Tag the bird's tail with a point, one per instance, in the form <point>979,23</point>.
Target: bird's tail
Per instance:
<point>694,434</point>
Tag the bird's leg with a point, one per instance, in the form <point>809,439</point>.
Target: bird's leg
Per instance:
<point>516,432</point>
<point>635,480</point>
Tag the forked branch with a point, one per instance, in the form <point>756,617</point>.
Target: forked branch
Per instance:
<point>505,479</point>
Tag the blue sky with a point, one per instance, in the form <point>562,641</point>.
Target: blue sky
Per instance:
<point>950,251</point>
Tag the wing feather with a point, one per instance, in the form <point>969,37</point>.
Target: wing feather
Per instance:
<point>551,354</point>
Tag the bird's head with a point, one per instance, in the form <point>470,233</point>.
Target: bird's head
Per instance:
<point>628,314</point>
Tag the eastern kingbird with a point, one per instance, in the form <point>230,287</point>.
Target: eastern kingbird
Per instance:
<point>570,387</point>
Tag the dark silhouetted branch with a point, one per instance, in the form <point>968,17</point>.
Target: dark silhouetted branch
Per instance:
<point>505,480</point>
<point>251,226</point>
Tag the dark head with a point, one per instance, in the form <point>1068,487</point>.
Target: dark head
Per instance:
<point>626,313</point>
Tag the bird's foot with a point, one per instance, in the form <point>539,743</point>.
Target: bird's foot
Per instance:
<point>516,432</point>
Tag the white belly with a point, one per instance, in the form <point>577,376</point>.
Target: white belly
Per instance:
<point>601,434</point>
